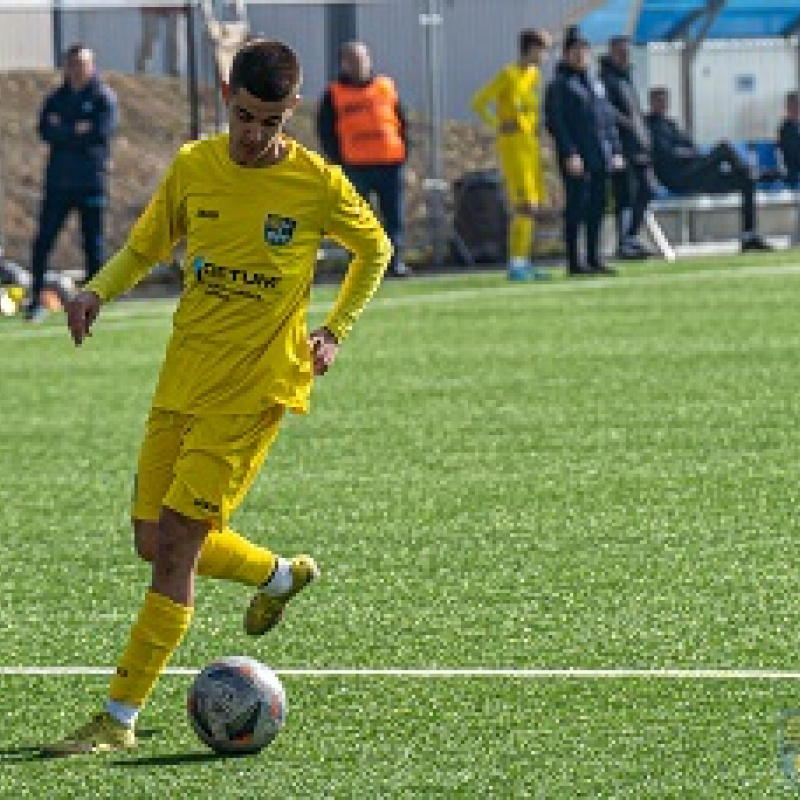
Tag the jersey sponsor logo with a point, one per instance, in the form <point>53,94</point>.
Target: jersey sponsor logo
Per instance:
<point>279,230</point>
<point>211,273</point>
<point>207,213</point>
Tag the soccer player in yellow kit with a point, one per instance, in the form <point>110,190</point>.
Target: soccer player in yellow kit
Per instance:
<point>252,206</point>
<point>509,103</point>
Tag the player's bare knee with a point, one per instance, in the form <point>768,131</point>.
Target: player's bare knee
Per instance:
<point>144,539</point>
<point>178,542</point>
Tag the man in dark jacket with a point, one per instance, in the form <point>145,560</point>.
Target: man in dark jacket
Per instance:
<point>682,167</point>
<point>362,126</point>
<point>77,121</point>
<point>789,139</point>
<point>581,121</point>
<point>635,186</point>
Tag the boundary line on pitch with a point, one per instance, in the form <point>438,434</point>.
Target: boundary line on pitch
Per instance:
<point>476,672</point>
<point>130,314</point>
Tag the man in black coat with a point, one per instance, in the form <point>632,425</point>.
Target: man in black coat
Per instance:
<point>77,121</point>
<point>789,139</point>
<point>581,121</point>
<point>635,186</point>
<point>682,167</point>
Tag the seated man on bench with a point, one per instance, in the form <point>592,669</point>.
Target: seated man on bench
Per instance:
<point>681,167</point>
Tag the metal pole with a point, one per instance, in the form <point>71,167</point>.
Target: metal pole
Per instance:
<point>341,26</point>
<point>432,22</point>
<point>191,74</point>
<point>58,34</point>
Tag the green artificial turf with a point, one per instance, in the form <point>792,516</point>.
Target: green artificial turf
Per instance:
<point>597,474</point>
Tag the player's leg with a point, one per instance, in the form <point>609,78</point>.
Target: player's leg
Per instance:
<point>56,204</point>
<point>595,210</point>
<point>162,622</point>
<point>389,189</point>
<point>225,554</point>
<point>92,210</point>
<point>222,457</point>
<point>519,181</point>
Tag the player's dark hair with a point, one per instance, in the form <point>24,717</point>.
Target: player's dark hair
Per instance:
<point>793,96</point>
<point>659,91</point>
<point>533,37</point>
<point>267,69</point>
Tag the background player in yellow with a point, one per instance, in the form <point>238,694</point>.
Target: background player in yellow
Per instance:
<point>509,103</point>
<point>252,206</point>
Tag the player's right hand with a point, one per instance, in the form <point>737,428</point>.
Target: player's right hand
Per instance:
<point>82,311</point>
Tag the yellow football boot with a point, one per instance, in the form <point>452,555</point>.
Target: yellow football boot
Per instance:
<point>102,734</point>
<point>265,611</point>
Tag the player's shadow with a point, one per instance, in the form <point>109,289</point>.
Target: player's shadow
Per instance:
<point>175,759</point>
<point>17,755</point>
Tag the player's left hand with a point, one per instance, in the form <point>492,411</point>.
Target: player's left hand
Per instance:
<point>324,348</point>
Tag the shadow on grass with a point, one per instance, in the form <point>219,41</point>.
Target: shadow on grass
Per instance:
<point>16,755</point>
<point>176,759</point>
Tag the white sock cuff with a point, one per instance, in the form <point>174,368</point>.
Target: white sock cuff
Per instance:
<point>123,713</point>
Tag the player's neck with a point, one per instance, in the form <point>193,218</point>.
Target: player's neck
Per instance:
<point>274,154</point>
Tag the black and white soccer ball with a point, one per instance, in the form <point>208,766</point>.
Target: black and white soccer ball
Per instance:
<point>237,705</point>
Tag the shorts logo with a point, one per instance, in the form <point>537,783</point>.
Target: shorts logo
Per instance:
<point>206,506</point>
<point>279,230</point>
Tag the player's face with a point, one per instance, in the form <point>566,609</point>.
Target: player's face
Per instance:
<point>534,56</point>
<point>659,102</point>
<point>578,57</point>
<point>621,53</point>
<point>793,107</point>
<point>255,127</point>
<point>79,69</point>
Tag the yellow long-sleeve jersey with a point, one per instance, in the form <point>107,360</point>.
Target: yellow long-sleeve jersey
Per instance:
<point>239,342</point>
<point>512,96</point>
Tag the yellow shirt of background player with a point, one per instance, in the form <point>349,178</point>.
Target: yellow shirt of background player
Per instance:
<point>239,342</point>
<point>512,96</point>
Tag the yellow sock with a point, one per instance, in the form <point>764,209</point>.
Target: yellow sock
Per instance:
<point>156,633</point>
<point>519,237</point>
<point>229,556</point>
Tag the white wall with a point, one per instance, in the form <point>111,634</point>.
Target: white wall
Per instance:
<point>26,40</point>
<point>739,86</point>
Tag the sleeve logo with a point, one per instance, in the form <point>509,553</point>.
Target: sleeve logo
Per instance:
<point>279,230</point>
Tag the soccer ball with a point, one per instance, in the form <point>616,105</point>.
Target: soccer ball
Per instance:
<point>237,705</point>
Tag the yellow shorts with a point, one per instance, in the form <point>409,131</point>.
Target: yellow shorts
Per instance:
<point>200,466</point>
<point>521,164</point>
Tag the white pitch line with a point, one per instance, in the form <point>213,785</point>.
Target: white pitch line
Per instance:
<point>476,672</point>
<point>131,314</point>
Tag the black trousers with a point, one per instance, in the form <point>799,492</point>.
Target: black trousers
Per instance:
<point>634,189</point>
<point>585,204</point>
<point>386,183</point>
<point>721,171</point>
<point>56,204</point>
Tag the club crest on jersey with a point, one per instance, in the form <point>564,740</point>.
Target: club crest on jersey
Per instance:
<point>279,230</point>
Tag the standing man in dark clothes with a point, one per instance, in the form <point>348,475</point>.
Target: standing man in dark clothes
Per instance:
<point>77,121</point>
<point>635,186</point>
<point>682,167</point>
<point>362,126</point>
<point>789,139</point>
<point>581,121</point>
